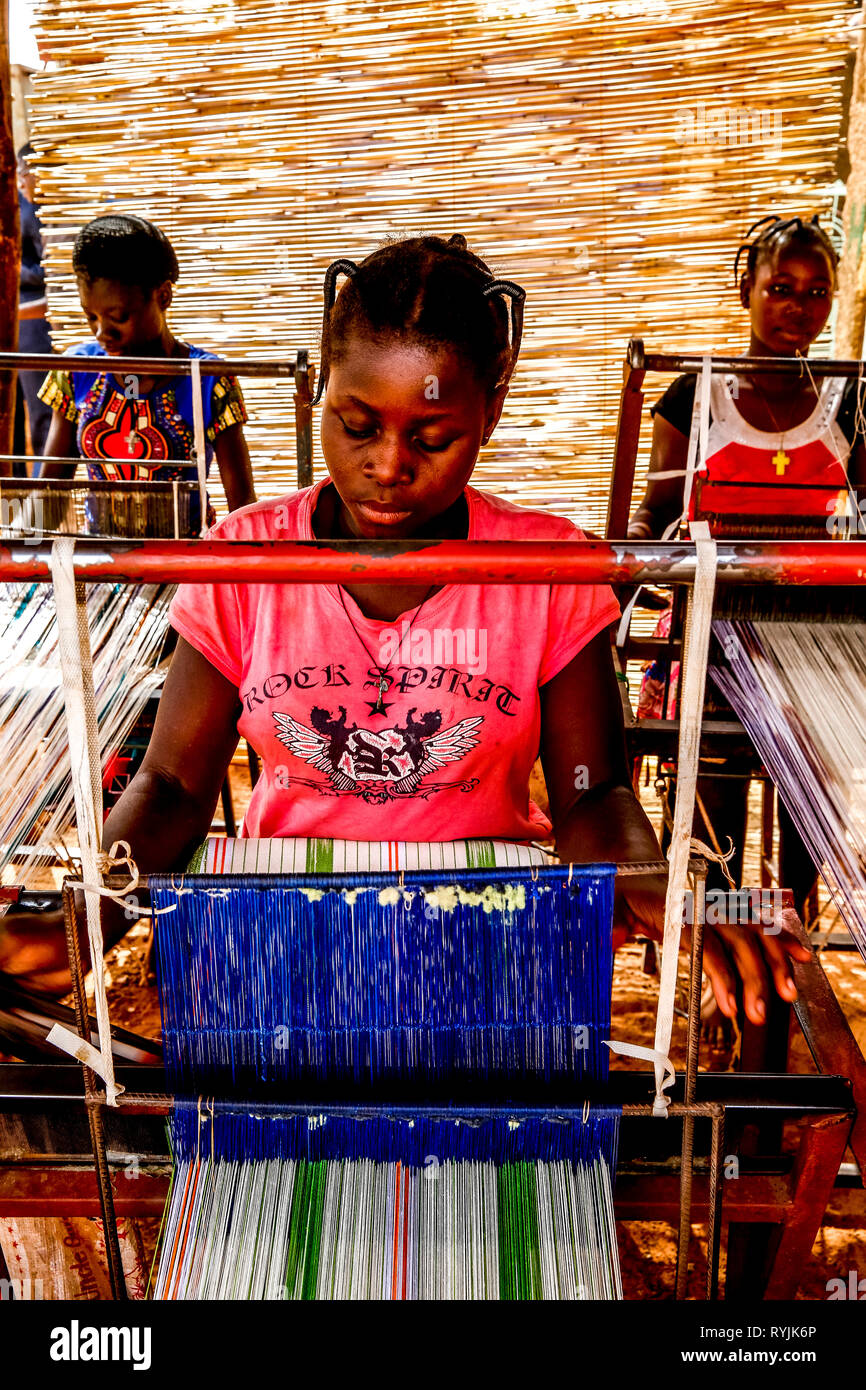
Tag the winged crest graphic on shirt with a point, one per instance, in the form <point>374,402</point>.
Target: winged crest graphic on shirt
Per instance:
<point>378,764</point>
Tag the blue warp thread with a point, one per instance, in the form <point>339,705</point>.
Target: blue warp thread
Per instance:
<point>393,1134</point>
<point>308,987</point>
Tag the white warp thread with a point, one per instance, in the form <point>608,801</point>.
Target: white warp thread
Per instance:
<point>76,664</point>
<point>200,443</point>
<point>696,646</point>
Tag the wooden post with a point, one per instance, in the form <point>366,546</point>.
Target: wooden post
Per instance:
<point>10,242</point>
<point>851,318</point>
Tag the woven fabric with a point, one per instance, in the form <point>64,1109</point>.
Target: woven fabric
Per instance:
<point>225,856</point>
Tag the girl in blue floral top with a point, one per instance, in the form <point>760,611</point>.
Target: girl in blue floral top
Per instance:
<point>125,427</point>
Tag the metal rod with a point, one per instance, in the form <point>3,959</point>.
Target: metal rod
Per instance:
<point>118,881</point>
<point>687,1159</point>
<point>714,1225</point>
<point>444,562</point>
<point>742,366</point>
<point>157,1103</point>
<point>53,1085</point>
<point>304,379</point>
<point>13,484</point>
<point>699,875</point>
<point>146,366</point>
<point>93,1101</point>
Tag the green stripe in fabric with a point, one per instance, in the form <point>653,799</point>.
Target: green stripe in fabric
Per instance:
<point>480,854</point>
<point>517,1207</point>
<point>320,857</point>
<point>198,860</point>
<point>314,1231</point>
<point>532,1240</point>
<point>298,1222</point>
<point>521,1254</point>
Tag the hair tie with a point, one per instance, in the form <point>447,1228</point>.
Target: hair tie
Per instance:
<point>516,294</point>
<point>335,269</point>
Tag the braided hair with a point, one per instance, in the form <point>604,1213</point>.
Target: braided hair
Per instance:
<point>776,235</point>
<point>427,290</point>
<point>127,249</point>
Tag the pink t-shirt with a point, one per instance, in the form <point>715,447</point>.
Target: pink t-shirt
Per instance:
<point>450,755</point>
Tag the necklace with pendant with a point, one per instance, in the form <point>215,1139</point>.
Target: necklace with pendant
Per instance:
<point>780,459</point>
<point>379,705</point>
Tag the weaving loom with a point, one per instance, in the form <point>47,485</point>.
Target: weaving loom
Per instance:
<point>70,506</point>
<point>792,684</point>
<point>798,1208</point>
<point>212,1121</point>
<point>128,633</point>
<point>467,989</point>
<point>796,677</point>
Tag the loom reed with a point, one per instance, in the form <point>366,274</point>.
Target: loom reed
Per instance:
<point>473,982</point>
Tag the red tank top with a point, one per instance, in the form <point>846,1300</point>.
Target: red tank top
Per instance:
<point>750,472</point>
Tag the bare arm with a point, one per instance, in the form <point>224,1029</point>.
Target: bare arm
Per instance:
<point>167,808</point>
<point>165,812</point>
<point>235,467</point>
<point>596,815</point>
<point>663,501</point>
<point>600,819</point>
<point>59,444</point>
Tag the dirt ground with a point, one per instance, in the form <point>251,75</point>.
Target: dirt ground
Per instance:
<point>647,1249</point>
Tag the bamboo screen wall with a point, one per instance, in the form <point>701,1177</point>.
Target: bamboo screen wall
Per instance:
<point>607,154</point>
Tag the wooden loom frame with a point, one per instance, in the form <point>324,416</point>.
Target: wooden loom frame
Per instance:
<point>827,1104</point>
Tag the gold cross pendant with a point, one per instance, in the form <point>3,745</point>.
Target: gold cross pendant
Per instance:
<point>781,461</point>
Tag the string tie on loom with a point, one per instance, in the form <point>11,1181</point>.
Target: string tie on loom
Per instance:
<point>105,862</point>
<point>698,847</point>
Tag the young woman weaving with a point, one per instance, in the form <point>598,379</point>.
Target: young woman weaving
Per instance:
<point>356,740</point>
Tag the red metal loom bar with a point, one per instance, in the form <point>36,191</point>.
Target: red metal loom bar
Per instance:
<point>442,562</point>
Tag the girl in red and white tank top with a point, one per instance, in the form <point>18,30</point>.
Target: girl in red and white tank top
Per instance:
<point>778,447</point>
<point>797,473</point>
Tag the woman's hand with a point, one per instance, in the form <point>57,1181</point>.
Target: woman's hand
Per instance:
<point>602,821</point>
<point>758,954</point>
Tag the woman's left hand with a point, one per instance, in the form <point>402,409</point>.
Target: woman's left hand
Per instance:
<point>756,953</point>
